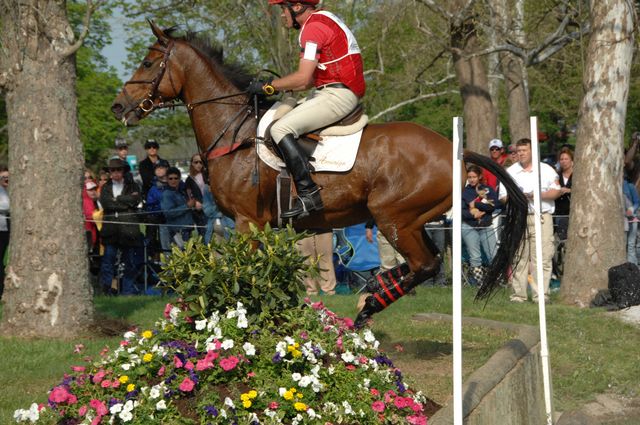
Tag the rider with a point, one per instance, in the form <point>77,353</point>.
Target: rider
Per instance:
<point>330,61</point>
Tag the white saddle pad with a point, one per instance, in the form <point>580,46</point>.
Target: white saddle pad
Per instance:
<point>333,153</point>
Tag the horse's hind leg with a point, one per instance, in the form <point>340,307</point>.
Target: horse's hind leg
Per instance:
<point>424,262</point>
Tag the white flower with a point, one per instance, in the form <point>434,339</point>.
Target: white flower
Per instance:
<point>116,408</point>
<point>368,336</point>
<point>305,381</point>
<point>270,413</point>
<point>23,415</point>
<point>128,406</point>
<point>240,308</point>
<point>229,402</point>
<point>161,405</point>
<point>289,340</point>
<point>125,415</point>
<point>125,366</point>
<point>213,321</point>
<point>296,376</point>
<point>315,370</point>
<point>281,391</point>
<point>223,413</point>
<point>317,386</point>
<point>249,349</point>
<point>331,370</point>
<point>201,324</point>
<point>129,335</point>
<point>173,314</point>
<point>242,322</point>
<point>154,393</point>
<point>348,410</point>
<point>231,313</point>
<point>348,357</point>
<point>312,413</point>
<point>281,348</point>
<point>367,382</point>
<point>298,419</point>
<point>227,344</point>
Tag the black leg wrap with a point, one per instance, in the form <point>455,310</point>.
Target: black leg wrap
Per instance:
<point>371,306</point>
<point>388,277</point>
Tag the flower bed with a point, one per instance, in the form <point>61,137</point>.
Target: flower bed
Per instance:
<point>309,367</point>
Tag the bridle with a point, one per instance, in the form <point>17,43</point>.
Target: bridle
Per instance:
<point>148,104</point>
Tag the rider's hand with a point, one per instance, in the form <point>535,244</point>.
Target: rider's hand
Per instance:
<point>261,87</point>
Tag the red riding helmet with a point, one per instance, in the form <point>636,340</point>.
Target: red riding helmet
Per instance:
<point>311,2</point>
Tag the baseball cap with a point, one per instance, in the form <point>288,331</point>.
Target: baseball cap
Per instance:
<point>121,142</point>
<point>151,143</point>
<point>495,143</point>
<point>90,185</point>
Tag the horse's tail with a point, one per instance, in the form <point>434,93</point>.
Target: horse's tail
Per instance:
<point>512,229</point>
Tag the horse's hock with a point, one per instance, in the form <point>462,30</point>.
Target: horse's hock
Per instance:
<point>508,389</point>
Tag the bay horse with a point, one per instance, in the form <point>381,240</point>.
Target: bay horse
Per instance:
<point>402,176</point>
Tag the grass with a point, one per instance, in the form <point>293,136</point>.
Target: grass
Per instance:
<point>590,351</point>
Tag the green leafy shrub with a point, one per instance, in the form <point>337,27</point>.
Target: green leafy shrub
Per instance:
<point>261,269</point>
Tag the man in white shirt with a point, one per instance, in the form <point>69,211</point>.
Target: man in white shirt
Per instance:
<point>522,173</point>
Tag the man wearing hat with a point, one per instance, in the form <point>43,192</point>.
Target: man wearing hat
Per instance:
<point>147,166</point>
<point>120,232</point>
<point>497,154</point>
<point>122,150</point>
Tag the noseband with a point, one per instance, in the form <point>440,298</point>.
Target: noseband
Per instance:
<point>147,105</point>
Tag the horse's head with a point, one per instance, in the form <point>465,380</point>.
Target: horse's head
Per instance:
<point>156,81</point>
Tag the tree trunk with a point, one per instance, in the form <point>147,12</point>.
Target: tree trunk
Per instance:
<point>596,222</point>
<point>479,114</point>
<point>515,77</point>
<point>47,289</point>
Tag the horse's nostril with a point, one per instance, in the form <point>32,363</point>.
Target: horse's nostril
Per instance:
<point>117,108</point>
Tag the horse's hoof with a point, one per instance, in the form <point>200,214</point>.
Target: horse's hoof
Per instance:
<point>361,321</point>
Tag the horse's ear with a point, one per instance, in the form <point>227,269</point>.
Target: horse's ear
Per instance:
<point>160,35</point>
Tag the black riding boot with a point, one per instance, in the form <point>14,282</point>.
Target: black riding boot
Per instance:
<point>308,199</point>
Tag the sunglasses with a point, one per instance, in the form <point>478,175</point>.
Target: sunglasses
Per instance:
<point>494,148</point>
<point>4,179</point>
<point>173,178</point>
<point>111,170</point>
<point>197,162</point>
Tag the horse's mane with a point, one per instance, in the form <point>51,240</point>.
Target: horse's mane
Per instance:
<point>236,73</point>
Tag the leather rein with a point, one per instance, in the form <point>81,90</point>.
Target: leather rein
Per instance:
<point>148,105</point>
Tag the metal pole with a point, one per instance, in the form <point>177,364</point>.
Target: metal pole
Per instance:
<point>544,348</point>
<point>456,241</point>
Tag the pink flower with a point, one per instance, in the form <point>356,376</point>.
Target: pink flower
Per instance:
<point>188,365</point>
<point>378,406</point>
<point>104,351</point>
<point>98,377</point>
<point>167,311</point>
<point>417,420</point>
<point>78,348</point>
<point>251,374</point>
<point>388,396</point>
<point>99,407</point>
<point>203,364</point>
<point>83,410</point>
<point>177,362</point>
<point>124,343</point>
<point>72,399</point>
<point>161,371</point>
<point>348,322</point>
<point>105,384</point>
<point>317,306</point>
<point>96,420</point>
<point>363,360</point>
<point>273,405</point>
<point>374,392</point>
<point>186,385</point>
<point>304,335</point>
<point>78,368</point>
<point>402,402</point>
<point>59,395</point>
<point>416,407</point>
<point>350,367</point>
<point>229,363</point>
<point>339,343</point>
<point>115,383</point>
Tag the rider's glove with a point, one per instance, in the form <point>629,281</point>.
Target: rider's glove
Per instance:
<point>261,87</point>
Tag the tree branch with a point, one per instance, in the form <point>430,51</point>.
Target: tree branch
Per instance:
<point>91,7</point>
<point>410,101</point>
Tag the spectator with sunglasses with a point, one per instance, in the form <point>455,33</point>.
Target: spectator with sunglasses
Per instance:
<point>120,231</point>
<point>196,182</point>
<point>497,154</point>
<point>177,207</point>
<point>146,167</point>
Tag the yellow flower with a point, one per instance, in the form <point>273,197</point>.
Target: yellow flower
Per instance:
<point>288,395</point>
<point>123,379</point>
<point>131,387</point>
<point>300,406</point>
<point>253,394</point>
<point>147,357</point>
<point>168,327</point>
<point>147,334</point>
<point>296,353</point>
<point>246,403</point>
<point>293,390</point>
<point>299,395</point>
<point>244,397</point>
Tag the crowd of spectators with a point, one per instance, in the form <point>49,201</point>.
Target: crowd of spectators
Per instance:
<point>130,220</point>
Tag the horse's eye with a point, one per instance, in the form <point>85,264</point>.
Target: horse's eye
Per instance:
<point>147,64</point>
